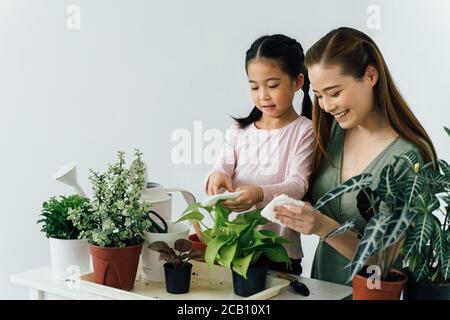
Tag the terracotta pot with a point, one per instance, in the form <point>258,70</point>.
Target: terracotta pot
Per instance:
<point>196,243</point>
<point>115,267</point>
<point>389,290</point>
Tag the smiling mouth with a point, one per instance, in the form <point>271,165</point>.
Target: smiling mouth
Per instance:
<point>268,106</point>
<point>342,114</point>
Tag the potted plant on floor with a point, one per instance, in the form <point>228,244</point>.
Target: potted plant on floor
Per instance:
<point>69,255</point>
<point>239,246</point>
<point>115,222</point>
<point>177,269</point>
<point>388,210</point>
<point>427,245</point>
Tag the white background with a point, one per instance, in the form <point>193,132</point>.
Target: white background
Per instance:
<point>137,71</point>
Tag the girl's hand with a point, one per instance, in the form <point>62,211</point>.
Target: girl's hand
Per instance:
<point>250,195</point>
<point>216,181</point>
<point>302,219</point>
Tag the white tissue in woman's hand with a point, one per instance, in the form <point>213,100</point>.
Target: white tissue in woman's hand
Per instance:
<point>282,199</point>
<point>212,200</point>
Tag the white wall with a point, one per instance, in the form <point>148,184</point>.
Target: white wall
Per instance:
<point>137,71</point>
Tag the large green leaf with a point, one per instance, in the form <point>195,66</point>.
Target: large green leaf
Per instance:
<point>422,271</point>
<point>445,167</point>
<point>227,254</point>
<point>240,265</point>
<point>397,224</point>
<point>439,241</point>
<point>423,230</point>
<point>348,225</point>
<point>387,187</point>
<point>351,185</point>
<point>445,267</point>
<point>277,253</point>
<point>410,245</point>
<point>447,130</point>
<point>410,158</point>
<point>369,243</point>
<point>412,187</point>
<point>213,248</point>
<point>193,217</point>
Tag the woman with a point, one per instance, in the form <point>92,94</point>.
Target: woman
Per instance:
<point>361,122</point>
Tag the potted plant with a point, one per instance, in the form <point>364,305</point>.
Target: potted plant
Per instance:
<point>115,222</point>
<point>427,244</point>
<point>239,246</point>
<point>167,231</point>
<point>388,210</point>
<point>177,269</point>
<point>68,254</point>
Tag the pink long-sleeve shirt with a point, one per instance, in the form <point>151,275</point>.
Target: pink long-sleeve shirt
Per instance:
<point>278,160</point>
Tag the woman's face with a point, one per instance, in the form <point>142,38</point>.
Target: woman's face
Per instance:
<point>272,90</point>
<point>349,100</point>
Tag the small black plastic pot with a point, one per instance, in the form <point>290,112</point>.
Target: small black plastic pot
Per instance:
<point>425,290</point>
<point>178,280</point>
<point>255,282</point>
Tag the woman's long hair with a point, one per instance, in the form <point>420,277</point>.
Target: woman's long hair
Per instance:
<point>353,51</point>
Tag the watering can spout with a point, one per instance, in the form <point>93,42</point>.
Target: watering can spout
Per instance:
<point>67,174</point>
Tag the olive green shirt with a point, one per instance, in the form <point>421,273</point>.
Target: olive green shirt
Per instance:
<point>329,264</point>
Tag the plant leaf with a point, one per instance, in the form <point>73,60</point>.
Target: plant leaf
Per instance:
<point>445,167</point>
<point>387,187</point>
<point>410,245</point>
<point>398,223</point>
<point>445,267</point>
<point>213,248</point>
<point>369,243</point>
<point>423,230</point>
<point>348,225</point>
<point>439,242</point>
<point>422,271</point>
<point>227,254</point>
<point>351,185</point>
<point>412,186</point>
<point>447,130</point>
<point>182,245</point>
<point>240,265</point>
<point>193,217</point>
<point>277,253</point>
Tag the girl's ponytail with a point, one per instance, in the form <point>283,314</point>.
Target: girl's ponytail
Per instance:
<point>255,115</point>
<point>307,103</point>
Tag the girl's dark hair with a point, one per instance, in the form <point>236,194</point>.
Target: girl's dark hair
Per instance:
<point>288,54</point>
<point>353,51</point>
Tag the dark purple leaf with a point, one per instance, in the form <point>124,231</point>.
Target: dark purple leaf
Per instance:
<point>183,245</point>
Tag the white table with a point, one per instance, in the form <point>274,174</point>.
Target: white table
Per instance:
<point>42,286</point>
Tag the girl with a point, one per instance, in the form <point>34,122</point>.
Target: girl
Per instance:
<point>270,151</point>
<point>361,122</point>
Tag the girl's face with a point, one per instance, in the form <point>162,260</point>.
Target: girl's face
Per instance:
<point>349,100</point>
<point>272,90</point>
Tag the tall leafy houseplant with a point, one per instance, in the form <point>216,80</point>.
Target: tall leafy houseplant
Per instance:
<point>388,210</point>
<point>115,223</point>
<point>66,251</point>
<point>427,245</point>
<point>237,244</point>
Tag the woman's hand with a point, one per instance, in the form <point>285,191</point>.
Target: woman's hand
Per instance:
<point>250,195</point>
<point>303,220</point>
<point>216,181</point>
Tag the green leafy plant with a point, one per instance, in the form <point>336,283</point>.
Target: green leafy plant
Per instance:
<point>387,210</point>
<point>168,254</point>
<point>236,244</point>
<point>54,216</point>
<point>116,216</point>
<point>427,245</point>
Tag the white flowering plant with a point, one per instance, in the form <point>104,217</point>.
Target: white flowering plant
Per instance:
<point>115,216</point>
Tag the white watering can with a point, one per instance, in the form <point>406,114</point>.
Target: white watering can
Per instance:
<point>157,195</point>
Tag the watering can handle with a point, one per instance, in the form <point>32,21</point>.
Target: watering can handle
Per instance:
<point>189,197</point>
